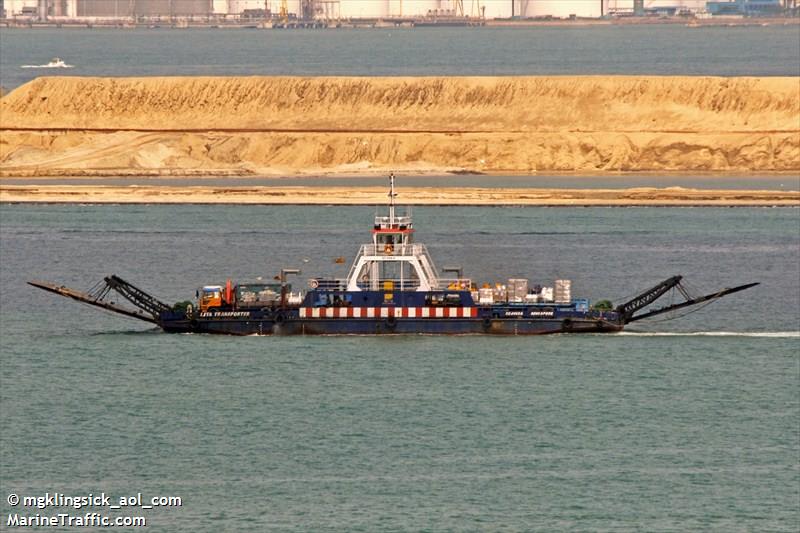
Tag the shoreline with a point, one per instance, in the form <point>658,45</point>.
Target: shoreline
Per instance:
<point>396,23</point>
<point>462,196</point>
<point>355,174</point>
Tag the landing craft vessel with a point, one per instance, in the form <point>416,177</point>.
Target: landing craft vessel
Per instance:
<point>392,287</point>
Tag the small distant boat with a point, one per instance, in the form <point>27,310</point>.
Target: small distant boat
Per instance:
<point>56,62</point>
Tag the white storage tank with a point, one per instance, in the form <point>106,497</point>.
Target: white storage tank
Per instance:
<point>236,7</point>
<point>561,8</point>
<point>219,7</point>
<point>621,6</point>
<point>293,7</point>
<point>359,9</point>
<point>491,8</point>
<point>413,8</point>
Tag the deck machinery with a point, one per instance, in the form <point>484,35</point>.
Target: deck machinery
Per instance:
<point>392,287</point>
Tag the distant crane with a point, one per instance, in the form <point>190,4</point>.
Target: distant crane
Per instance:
<point>475,6</point>
<point>284,12</point>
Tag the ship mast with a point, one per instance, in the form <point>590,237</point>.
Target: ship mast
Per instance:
<point>392,195</point>
<point>392,262</point>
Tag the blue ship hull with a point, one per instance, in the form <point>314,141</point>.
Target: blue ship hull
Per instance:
<point>485,322</point>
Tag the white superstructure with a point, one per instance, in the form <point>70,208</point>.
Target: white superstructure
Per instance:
<point>393,261</point>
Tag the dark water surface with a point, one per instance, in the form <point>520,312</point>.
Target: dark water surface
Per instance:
<point>683,425</point>
<point>652,49</point>
<point>782,182</point>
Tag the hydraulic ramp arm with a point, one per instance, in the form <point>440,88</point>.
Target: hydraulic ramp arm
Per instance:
<point>149,307</point>
<point>137,296</point>
<point>628,309</point>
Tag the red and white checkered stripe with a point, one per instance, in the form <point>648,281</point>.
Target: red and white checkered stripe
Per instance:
<point>386,312</point>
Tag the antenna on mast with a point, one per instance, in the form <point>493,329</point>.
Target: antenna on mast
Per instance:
<point>392,195</point>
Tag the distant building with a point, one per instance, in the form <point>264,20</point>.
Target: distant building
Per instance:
<point>15,8</point>
<point>652,6</point>
<point>146,8</point>
<point>746,8</point>
<point>179,8</point>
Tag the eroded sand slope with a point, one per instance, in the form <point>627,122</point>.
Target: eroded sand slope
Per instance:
<point>280,125</point>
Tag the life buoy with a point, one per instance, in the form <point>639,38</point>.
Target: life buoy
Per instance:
<point>312,283</point>
<point>388,248</point>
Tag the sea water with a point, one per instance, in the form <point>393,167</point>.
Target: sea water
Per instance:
<point>657,49</point>
<point>690,424</point>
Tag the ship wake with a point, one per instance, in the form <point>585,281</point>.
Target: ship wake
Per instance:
<point>766,334</point>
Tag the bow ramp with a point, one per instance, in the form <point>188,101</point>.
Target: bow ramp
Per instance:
<point>147,307</point>
<point>628,310</point>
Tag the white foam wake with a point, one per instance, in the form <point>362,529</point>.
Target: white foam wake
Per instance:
<point>768,334</point>
<point>60,64</point>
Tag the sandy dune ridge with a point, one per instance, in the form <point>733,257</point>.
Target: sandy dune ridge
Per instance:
<point>643,196</point>
<point>352,125</point>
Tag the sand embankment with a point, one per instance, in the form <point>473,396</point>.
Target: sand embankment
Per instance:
<point>289,126</point>
<point>646,196</point>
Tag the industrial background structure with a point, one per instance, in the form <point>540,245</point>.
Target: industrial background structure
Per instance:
<point>55,10</point>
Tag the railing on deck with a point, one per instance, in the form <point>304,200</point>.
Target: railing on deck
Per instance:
<point>383,284</point>
<point>340,284</point>
<point>399,220</point>
<point>393,249</point>
<point>455,284</point>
